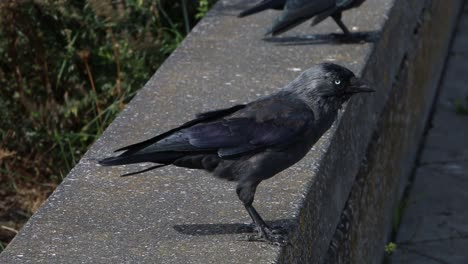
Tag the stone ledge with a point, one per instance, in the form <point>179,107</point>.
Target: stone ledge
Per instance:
<point>366,221</point>
<point>175,215</point>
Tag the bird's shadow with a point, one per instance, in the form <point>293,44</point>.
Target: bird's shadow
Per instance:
<point>224,229</point>
<point>357,37</point>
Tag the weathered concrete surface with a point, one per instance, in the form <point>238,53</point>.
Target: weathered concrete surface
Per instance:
<point>175,215</point>
<point>367,218</point>
<point>434,227</point>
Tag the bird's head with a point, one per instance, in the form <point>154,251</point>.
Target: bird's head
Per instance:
<point>328,83</point>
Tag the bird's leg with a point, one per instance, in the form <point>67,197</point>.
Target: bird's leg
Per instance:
<point>260,223</point>
<point>339,22</point>
<point>246,193</point>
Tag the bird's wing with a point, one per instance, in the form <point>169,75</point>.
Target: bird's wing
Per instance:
<point>324,15</point>
<point>203,117</point>
<point>344,3</point>
<point>265,124</point>
<point>347,4</point>
<point>241,136</point>
<point>297,11</point>
<point>340,6</point>
<point>262,6</point>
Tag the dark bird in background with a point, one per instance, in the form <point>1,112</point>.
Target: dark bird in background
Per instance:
<point>252,142</point>
<point>296,12</point>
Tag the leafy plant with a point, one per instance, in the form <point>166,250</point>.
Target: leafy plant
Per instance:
<point>390,248</point>
<point>203,7</point>
<point>67,68</point>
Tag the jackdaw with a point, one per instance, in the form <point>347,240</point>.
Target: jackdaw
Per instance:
<point>296,12</point>
<point>252,142</point>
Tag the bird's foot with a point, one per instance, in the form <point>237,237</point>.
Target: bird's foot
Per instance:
<point>275,236</point>
<point>279,229</point>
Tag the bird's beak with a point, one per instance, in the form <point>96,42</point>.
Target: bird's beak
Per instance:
<point>359,86</point>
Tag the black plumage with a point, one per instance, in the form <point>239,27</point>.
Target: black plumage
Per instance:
<point>252,142</point>
<point>295,12</point>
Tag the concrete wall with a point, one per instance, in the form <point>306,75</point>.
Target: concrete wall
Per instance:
<point>367,218</point>
<point>336,202</point>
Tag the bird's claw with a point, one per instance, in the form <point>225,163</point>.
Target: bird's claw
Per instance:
<point>275,236</point>
<point>274,239</point>
<point>278,229</point>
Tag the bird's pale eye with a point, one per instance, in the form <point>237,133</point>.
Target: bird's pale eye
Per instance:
<point>337,82</point>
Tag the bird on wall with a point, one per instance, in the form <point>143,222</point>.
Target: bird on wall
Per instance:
<point>295,12</point>
<point>249,143</point>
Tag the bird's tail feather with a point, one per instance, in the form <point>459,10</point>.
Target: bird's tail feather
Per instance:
<point>113,161</point>
<point>280,26</point>
<point>264,5</point>
<point>155,157</point>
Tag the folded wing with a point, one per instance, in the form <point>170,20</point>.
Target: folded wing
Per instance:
<point>262,6</point>
<point>227,133</point>
<point>297,12</point>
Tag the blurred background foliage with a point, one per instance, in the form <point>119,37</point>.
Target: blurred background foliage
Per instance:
<point>67,68</point>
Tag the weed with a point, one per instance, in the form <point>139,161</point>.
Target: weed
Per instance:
<point>461,106</point>
<point>390,248</point>
<point>67,68</point>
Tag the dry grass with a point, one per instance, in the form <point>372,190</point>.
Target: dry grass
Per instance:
<point>66,69</point>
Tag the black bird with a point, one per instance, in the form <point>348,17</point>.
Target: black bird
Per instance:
<point>296,12</point>
<point>251,142</point>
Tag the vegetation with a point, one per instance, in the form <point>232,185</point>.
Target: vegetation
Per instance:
<point>67,68</point>
<point>461,106</point>
<point>390,248</point>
